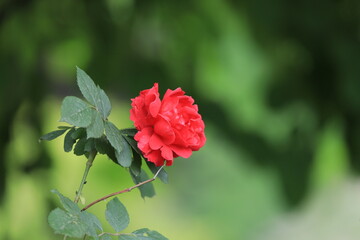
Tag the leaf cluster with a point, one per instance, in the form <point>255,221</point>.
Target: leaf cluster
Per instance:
<point>72,222</point>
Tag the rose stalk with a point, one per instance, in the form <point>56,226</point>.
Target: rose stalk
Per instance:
<point>166,128</point>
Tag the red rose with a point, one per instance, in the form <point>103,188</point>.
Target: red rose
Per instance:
<point>168,128</point>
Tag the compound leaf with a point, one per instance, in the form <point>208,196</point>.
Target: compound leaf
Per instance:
<point>69,141</point>
<point>124,157</point>
<point>103,104</point>
<point>87,86</point>
<point>69,205</point>
<point>76,112</point>
<point>92,223</point>
<point>96,128</point>
<point>113,135</point>
<point>79,148</point>
<point>95,95</point>
<point>52,135</point>
<point>135,167</point>
<point>117,215</point>
<point>66,223</point>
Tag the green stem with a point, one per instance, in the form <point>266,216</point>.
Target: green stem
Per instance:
<point>89,163</point>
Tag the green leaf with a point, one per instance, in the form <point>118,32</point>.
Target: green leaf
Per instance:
<point>87,86</point>
<point>145,233</point>
<point>141,231</point>
<point>64,127</point>
<point>103,146</point>
<point>69,141</point>
<point>133,144</point>
<point>92,220</point>
<point>79,148</point>
<point>89,145</point>
<point>66,223</point>
<point>105,237</point>
<point>52,135</point>
<point>76,112</point>
<point>117,215</point>
<point>91,223</point>
<point>156,235</point>
<point>96,128</point>
<point>113,135</point>
<point>135,167</point>
<point>125,156</point>
<point>73,222</point>
<point>146,190</point>
<point>95,95</point>
<point>69,205</point>
<point>129,131</point>
<point>79,133</point>
<point>103,104</point>
<point>163,176</point>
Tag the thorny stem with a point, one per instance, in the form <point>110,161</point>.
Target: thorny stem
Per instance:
<point>89,163</point>
<point>123,191</point>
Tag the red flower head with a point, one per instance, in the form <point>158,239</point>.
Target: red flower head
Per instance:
<point>169,128</point>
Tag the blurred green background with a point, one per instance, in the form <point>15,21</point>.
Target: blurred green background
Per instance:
<point>277,83</point>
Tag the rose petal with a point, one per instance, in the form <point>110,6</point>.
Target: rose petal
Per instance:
<point>180,139</point>
<point>145,107</point>
<point>173,93</point>
<point>164,130</point>
<point>167,153</point>
<point>152,100</point>
<point>155,142</point>
<point>169,105</point>
<point>169,162</point>
<point>171,99</point>
<point>136,114</point>
<point>155,107</point>
<point>143,138</point>
<point>155,157</point>
<point>181,151</point>
<point>186,100</point>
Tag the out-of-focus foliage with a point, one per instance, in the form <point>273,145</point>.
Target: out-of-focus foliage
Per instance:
<point>330,214</point>
<point>277,83</point>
